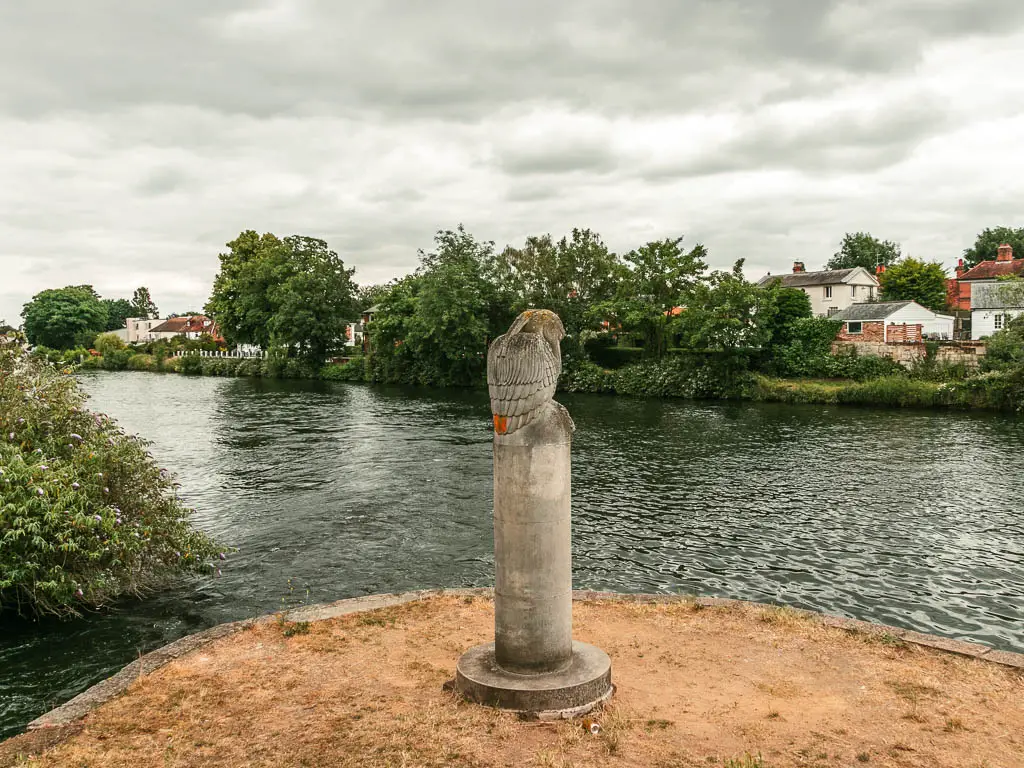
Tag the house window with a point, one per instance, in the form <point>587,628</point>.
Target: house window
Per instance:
<point>853,291</point>
<point>828,291</point>
<point>853,328</point>
<point>999,322</point>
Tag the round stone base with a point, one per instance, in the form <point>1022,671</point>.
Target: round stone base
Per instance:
<point>569,692</point>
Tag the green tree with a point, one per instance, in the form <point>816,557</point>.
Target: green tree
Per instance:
<point>143,305</point>
<point>987,244</point>
<point>118,312</point>
<point>568,277</point>
<point>1005,348</point>
<point>860,249</point>
<point>293,293</point>
<point>391,358</point>
<point>63,318</point>
<point>791,306</point>
<point>370,295</point>
<point>314,302</point>
<point>241,299</point>
<point>457,312</point>
<point>915,280</point>
<point>726,313</point>
<point>652,282</point>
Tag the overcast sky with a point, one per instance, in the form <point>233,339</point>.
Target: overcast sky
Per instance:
<point>139,137</point>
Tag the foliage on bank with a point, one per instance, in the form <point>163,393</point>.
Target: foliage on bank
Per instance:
<point>86,515</point>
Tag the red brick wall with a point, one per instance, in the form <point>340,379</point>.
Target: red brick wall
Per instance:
<point>958,295</point>
<point>871,332</point>
<point>901,334</point>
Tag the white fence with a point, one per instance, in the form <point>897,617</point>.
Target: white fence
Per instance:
<point>235,354</point>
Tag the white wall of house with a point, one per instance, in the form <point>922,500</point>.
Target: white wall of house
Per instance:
<point>862,287</point>
<point>914,314</point>
<point>985,322</point>
<point>139,329</point>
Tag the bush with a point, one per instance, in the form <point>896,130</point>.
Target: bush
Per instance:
<point>143,363</point>
<point>353,370</point>
<point>107,343</point>
<point>86,515</point>
<point>603,351</point>
<point>689,374</point>
<point>190,365</point>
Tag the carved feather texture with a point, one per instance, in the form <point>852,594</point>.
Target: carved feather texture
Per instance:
<point>522,373</point>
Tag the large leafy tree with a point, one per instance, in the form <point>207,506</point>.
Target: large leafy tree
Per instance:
<point>63,318</point>
<point>142,303</point>
<point>791,306</point>
<point>860,249</point>
<point>915,280</point>
<point>370,295</point>
<point>294,293</point>
<point>240,301</point>
<point>314,301</point>
<point>725,313</point>
<point>651,284</point>
<point>988,241</point>
<point>118,312</point>
<point>569,277</point>
<point>457,310</point>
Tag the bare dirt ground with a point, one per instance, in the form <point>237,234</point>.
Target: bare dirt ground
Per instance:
<point>735,686</point>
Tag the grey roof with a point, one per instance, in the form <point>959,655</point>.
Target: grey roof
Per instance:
<point>801,279</point>
<point>870,310</point>
<point>372,310</point>
<point>1002,294</point>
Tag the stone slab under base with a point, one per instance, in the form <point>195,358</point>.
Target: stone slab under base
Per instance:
<point>569,692</point>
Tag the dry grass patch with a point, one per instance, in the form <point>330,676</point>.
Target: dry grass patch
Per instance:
<point>719,686</point>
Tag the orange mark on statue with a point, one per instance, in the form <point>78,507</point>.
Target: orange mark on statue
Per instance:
<point>500,424</point>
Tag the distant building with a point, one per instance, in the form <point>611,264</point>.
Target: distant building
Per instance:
<point>892,322</point>
<point>139,329</point>
<point>190,326</point>
<point>830,291</point>
<point>993,304</point>
<point>960,289</point>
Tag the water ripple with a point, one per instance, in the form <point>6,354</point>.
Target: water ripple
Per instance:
<point>333,490</point>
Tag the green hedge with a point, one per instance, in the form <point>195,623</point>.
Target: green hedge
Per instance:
<point>1000,390</point>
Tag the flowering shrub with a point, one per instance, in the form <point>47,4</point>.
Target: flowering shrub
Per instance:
<point>85,514</point>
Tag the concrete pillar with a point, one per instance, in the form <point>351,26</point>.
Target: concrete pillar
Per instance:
<point>533,548</point>
<point>533,666</point>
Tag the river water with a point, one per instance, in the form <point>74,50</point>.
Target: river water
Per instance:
<point>335,490</point>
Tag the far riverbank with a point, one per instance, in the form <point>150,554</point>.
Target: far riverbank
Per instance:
<point>995,391</point>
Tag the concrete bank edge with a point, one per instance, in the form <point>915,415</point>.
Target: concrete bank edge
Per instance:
<point>104,691</point>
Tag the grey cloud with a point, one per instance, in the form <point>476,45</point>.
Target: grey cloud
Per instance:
<point>565,153</point>
<point>454,60</point>
<point>139,138</point>
<point>161,181</point>
<point>852,141</point>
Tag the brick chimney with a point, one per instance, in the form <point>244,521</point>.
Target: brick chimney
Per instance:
<point>880,269</point>
<point>960,269</point>
<point>1005,253</point>
<point>798,266</point>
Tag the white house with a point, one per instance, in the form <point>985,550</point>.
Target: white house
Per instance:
<point>992,304</point>
<point>139,329</point>
<point>831,290</point>
<point>892,321</point>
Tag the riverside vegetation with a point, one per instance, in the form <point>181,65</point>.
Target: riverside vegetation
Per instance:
<point>654,322</point>
<point>86,515</point>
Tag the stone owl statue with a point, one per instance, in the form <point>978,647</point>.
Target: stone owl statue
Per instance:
<point>523,366</point>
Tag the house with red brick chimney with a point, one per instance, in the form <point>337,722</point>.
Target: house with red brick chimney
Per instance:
<point>830,290</point>
<point>960,289</point>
